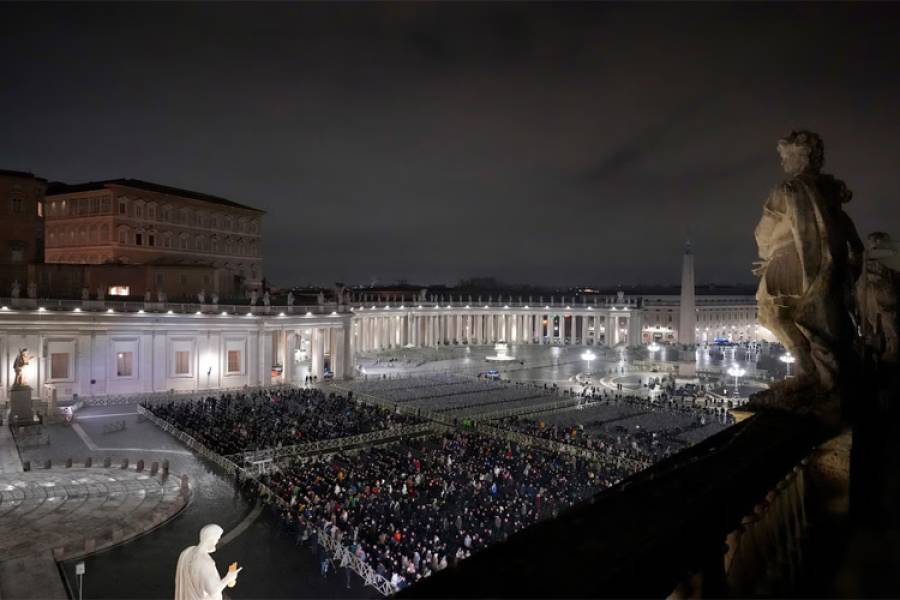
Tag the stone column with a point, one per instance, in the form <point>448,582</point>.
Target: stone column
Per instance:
<point>584,330</point>
<point>317,350</point>
<point>338,359</point>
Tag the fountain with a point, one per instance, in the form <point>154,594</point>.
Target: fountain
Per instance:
<point>502,353</point>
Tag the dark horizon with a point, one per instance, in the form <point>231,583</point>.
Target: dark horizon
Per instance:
<point>553,144</point>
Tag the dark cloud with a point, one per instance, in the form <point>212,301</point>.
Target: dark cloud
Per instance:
<point>554,143</point>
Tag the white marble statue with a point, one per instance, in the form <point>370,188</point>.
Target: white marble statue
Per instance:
<point>290,299</point>
<point>254,297</point>
<point>201,296</point>
<point>85,294</point>
<point>215,298</point>
<point>267,300</point>
<point>196,576</point>
<point>32,289</point>
<point>16,289</point>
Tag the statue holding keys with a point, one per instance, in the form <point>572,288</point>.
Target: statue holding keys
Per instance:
<point>196,577</point>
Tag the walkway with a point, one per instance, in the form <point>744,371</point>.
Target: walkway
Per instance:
<point>9,454</point>
<point>54,514</point>
<point>76,511</point>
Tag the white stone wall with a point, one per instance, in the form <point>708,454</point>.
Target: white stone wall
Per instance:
<point>93,343</point>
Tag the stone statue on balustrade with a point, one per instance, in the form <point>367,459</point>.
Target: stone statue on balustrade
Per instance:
<point>809,260</point>
<point>290,299</point>
<point>147,297</point>
<point>21,361</point>
<point>16,289</point>
<point>100,294</point>
<point>201,296</point>
<point>254,297</point>
<point>160,296</point>
<point>85,294</point>
<point>267,300</point>
<point>320,298</point>
<point>215,299</point>
<point>32,290</point>
<point>877,292</point>
<point>196,576</point>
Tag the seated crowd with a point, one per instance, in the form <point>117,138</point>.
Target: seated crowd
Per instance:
<point>244,422</point>
<point>411,509</point>
<point>627,426</point>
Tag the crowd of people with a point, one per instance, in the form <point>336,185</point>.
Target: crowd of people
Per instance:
<point>244,422</point>
<point>628,426</point>
<point>414,508</point>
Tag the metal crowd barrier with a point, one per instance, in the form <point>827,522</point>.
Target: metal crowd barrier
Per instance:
<point>337,549</point>
<point>170,395</point>
<point>333,445</point>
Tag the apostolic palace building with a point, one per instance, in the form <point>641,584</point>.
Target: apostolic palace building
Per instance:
<point>124,286</point>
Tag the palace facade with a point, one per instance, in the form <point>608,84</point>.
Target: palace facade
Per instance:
<point>133,222</point>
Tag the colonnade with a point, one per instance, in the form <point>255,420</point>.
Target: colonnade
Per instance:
<point>383,329</point>
<point>309,350</point>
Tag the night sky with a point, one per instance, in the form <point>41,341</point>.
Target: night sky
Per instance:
<point>546,144</point>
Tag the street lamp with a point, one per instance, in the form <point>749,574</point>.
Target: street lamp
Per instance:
<point>736,372</point>
<point>788,359</point>
<point>654,347</point>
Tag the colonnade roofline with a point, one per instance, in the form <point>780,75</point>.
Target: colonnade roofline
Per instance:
<point>122,307</point>
<point>495,306</point>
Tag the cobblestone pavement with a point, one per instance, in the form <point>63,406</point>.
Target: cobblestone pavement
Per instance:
<point>274,566</point>
<point>80,510</point>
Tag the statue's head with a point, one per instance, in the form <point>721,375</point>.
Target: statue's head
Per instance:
<point>801,151</point>
<point>209,537</point>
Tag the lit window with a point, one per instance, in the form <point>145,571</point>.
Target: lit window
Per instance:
<point>182,362</point>
<point>59,365</point>
<point>234,361</point>
<point>119,290</point>
<point>124,364</point>
<point>40,209</point>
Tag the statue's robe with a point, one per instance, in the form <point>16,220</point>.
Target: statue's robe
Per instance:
<point>196,577</point>
<point>808,247</point>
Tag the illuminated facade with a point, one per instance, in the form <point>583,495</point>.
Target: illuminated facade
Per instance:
<point>128,221</point>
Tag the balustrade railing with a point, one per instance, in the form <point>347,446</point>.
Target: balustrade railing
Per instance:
<point>206,308</point>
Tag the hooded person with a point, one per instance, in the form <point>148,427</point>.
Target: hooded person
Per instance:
<point>196,576</point>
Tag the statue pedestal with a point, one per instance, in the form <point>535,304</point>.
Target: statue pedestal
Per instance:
<point>20,404</point>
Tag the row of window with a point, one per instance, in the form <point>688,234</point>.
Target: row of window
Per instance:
<point>62,235</point>
<point>138,209</point>
<point>61,361</point>
<point>247,271</point>
<point>17,206</point>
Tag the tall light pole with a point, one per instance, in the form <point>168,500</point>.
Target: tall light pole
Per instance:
<point>736,372</point>
<point>788,359</point>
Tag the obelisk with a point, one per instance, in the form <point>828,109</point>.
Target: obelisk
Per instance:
<point>687,321</point>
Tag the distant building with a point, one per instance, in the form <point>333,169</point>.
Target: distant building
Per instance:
<point>22,226</point>
<point>133,222</point>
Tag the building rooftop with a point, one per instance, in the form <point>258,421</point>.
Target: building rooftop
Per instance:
<point>25,174</point>
<point>56,188</point>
